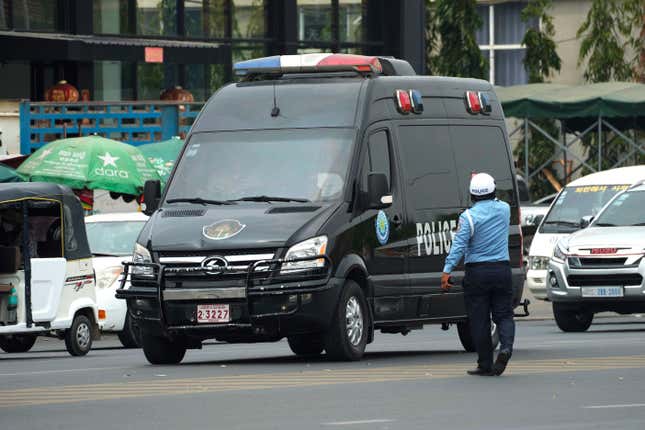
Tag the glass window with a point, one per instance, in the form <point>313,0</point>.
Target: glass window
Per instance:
<point>113,238</point>
<point>113,81</point>
<point>429,167</point>
<point>111,17</point>
<point>157,17</point>
<point>351,14</point>
<point>312,164</point>
<point>247,52</point>
<point>195,81</point>
<point>482,149</point>
<point>482,35</point>
<point>248,19</point>
<point>509,27</point>
<point>150,81</point>
<point>625,211</point>
<point>18,74</point>
<point>377,159</point>
<point>5,14</point>
<point>205,18</point>
<point>573,203</point>
<point>35,15</point>
<point>216,74</point>
<point>314,20</point>
<point>509,67</point>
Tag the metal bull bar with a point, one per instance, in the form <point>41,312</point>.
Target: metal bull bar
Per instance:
<point>261,278</point>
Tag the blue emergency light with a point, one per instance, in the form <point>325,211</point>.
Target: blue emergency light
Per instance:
<point>308,63</point>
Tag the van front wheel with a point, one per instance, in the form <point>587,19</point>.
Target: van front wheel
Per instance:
<point>78,339</point>
<point>17,342</point>
<point>347,335</point>
<point>159,350</point>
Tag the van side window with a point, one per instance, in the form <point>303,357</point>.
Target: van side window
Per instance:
<point>429,166</point>
<point>483,149</point>
<point>377,159</point>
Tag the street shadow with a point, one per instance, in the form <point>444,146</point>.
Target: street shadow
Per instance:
<point>13,357</point>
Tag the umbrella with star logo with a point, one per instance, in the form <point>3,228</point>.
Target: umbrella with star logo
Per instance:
<point>91,162</point>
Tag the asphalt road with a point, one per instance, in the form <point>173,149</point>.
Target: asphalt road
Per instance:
<point>555,381</point>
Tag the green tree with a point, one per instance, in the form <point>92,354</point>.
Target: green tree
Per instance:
<point>454,22</point>
<point>541,60</point>
<point>605,33</point>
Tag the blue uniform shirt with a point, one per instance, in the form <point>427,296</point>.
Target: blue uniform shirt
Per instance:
<point>482,234</point>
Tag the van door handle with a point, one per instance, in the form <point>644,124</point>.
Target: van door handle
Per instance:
<point>397,220</point>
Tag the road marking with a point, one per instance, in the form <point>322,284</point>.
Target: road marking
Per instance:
<point>46,372</point>
<point>314,378</point>
<point>351,423</point>
<point>627,405</point>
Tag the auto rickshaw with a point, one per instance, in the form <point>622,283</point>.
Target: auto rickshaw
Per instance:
<point>47,285</point>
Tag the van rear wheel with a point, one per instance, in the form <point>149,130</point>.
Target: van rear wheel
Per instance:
<point>466,337</point>
<point>347,335</point>
<point>160,350</point>
<point>306,345</point>
<point>78,339</point>
<point>17,342</point>
<point>571,319</point>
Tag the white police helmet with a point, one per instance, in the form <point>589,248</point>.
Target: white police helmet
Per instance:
<point>482,184</point>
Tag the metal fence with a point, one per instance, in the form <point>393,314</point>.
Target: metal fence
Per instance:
<point>132,122</point>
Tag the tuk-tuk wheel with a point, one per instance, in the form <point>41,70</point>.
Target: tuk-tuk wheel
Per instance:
<point>17,342</point>
<point>78,339</point>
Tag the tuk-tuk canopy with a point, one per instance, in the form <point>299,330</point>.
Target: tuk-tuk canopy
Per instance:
<point>75,238</point>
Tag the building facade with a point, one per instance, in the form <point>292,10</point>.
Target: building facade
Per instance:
<point>134,49</point>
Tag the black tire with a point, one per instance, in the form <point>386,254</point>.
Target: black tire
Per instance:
<point>466,338</point>
<point>78,339</point>
<point>17,342</point>
<point>130,336</point>
<point>571,319</point>
<point>338,344</point>
<point>306,345</point>
<point>160,350</point>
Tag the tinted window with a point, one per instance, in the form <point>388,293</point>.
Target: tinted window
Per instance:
<point>625,211</point>
<point>429,167</point>
<point>113,237</point>
<point>482,149</point>
<point>573,203</point>
<point>377,159</point>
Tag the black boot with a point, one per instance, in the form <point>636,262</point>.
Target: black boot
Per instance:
<point>501,362</point>
<point>479,372</point>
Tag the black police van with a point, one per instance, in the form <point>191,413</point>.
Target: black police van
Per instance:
<point>316,200</point>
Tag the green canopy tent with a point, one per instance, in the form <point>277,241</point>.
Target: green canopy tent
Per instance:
<point>162,155</point>
<point>615,107</point>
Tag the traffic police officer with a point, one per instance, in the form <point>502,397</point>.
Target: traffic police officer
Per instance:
<point>482,237</point>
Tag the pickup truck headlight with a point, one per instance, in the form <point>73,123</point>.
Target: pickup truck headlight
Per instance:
<point>142,255</point>
<point>308,248</point>
<point>538,263</point>
<point>559,253</point>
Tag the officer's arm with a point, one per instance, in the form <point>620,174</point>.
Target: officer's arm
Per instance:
<point>459,243</point>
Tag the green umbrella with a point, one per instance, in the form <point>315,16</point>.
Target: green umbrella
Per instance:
<point>7,174</point>
<point>91,162</point>
<point>162,155</point>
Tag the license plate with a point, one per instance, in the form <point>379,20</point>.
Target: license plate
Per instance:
<point>213,314</point>
<point>602,292</point>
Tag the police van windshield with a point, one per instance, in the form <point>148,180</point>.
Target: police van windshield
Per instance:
<point>299,164</point>
<point>577,202</point>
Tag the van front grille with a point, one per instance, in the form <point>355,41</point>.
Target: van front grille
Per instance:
<point>604,280</point>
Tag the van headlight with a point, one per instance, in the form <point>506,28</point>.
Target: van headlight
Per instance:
<point>141,255</point>
<point>538,263</point>
<point>107,277</point>
<point>308,248</point>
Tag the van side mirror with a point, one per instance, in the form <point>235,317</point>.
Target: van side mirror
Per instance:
<point>151,196</point>
<point>378,194</point>
<point>585,221</point>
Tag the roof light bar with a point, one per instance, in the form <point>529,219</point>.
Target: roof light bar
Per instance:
<point>311,63</point>
<point>473,103</point>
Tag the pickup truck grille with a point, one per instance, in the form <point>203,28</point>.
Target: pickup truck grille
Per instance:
<point>604,280</point>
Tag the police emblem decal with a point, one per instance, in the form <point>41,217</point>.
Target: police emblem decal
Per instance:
<point>224,229</point>
<point>382,228</point>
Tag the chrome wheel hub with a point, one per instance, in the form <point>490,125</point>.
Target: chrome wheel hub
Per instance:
<point>354,321</point>
<point>83,335</point>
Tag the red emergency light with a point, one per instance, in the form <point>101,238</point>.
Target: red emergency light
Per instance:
<point>403,101</point>
<point>473,102</point>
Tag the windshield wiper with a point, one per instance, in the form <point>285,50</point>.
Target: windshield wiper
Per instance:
<point>199,200</point>
<point>569,223</point>
<point>269,199</point>
<point>604,224</point>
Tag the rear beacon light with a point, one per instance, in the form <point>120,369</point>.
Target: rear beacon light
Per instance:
<point>484,101</point>
<point>417,101</point>
<point>473,102</point>
<point>403,101</point>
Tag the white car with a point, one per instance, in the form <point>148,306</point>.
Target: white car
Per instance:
<point>112,237</point>
<point>580,198</point>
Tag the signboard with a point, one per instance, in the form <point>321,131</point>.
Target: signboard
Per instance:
<point>153,55</point>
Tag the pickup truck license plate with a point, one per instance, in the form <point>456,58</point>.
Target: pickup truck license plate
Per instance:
<point>602,292</point>
<point>213,314</point>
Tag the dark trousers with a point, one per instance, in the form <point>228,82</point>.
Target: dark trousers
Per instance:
<point>488,290</point>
